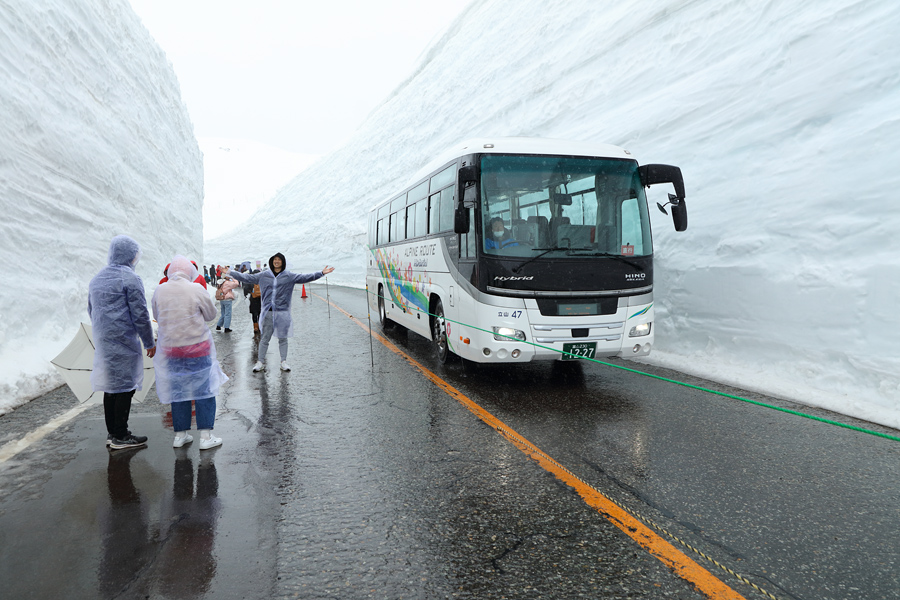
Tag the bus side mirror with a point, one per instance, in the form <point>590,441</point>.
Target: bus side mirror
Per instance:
<point>465,176</point>
<point>679,211</point>
<point>679,214</point>
<point>653,174</point>
<point>461,220</point>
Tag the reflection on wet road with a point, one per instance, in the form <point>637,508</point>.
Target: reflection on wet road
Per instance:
<point>340,480</point>
<point>125,539</point>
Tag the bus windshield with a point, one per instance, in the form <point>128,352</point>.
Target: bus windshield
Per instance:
<point>557,206</point>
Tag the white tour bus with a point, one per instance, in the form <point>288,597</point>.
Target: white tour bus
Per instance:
<point>545,255</point>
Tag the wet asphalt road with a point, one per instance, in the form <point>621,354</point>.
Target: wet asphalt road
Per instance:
<point>338,480</point>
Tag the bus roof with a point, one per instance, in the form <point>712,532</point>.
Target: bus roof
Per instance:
<point>516,145</point>
<point>522,145</point>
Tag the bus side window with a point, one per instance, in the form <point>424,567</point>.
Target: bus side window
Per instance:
<point>467,240</point>
<point>410,221</point>
<point>394,219</point>
<point>447,209</point>
<point>421,217</point>
<point>471,235</point>
<point>434,208</point>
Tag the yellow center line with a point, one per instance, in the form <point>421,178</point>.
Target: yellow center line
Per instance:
<point>681,564</point>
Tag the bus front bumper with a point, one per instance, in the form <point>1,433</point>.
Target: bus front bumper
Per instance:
<point>490,351</point>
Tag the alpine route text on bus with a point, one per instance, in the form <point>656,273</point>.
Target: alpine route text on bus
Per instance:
<point>520,249</point>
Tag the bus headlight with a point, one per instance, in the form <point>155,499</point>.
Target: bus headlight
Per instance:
<point>640,330</point>
<point>508,334</point>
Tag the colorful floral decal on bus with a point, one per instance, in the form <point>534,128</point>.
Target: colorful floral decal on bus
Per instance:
<point>407,290</point>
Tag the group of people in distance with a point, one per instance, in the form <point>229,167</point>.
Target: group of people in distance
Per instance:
<point>213,274</point>
<point>183,352</point>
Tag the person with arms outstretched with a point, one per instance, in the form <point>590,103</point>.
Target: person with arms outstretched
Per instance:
<point>276,286</point>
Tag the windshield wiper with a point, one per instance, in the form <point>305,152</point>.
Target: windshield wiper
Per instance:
<point>518,268</point>
<point>608,255</point>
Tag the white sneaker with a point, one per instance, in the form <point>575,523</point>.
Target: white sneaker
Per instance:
<point>285,366</point>
<point>210,442</point>
<point>181,440</point>
<point>259,366</point>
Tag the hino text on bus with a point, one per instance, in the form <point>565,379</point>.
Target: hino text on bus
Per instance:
<point>519,249</point>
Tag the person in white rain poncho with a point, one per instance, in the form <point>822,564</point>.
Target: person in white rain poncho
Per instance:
<point>117,307</point>
<point>185,362</point>
<point>277,288</point>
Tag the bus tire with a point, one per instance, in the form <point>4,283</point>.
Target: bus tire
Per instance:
<point>386,324</point>
<point>439,331</point>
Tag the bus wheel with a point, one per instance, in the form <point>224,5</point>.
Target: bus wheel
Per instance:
<point>386,324</point>
<point>439,332</point>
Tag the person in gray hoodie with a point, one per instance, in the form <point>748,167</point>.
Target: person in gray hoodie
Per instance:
<point>121,323</point>
<point>277,288</point>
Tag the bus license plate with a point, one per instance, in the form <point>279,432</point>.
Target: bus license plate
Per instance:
<point>580,350</point>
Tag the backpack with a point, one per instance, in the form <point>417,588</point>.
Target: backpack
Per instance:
<point>256,293</point>
<point>220,294</point>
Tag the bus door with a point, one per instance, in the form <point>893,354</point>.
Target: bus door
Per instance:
<point>464,302</point>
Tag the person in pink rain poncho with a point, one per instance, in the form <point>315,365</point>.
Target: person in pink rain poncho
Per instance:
<point>185,361</point>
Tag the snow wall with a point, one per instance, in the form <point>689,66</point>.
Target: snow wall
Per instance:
<point>94,142</point>
<point>784,117</point>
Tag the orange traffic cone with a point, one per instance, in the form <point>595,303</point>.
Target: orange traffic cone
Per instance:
<point>303,295</point>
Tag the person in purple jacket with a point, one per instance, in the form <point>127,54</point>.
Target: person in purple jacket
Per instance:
<point>120,320</point>
<point>277,288</point>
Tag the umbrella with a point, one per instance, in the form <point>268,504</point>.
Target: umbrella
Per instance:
<point>76,362</point>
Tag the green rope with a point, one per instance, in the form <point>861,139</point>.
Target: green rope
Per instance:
<point>681,383</point>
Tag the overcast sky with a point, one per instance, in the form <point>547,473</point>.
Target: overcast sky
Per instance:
<point>296,74</point>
